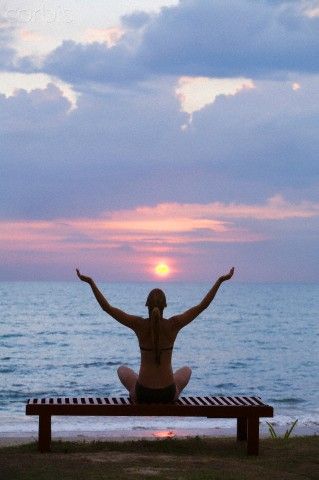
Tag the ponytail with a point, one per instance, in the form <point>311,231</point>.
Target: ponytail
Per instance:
<point>155,329</point>
<point>156,302</point>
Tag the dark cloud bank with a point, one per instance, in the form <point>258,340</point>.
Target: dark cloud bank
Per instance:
<point>215,38</point>
<point>111,151</point>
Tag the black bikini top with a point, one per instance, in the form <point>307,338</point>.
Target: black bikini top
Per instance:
<point>152,349</point>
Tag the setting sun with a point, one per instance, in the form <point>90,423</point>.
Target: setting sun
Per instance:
<point>162,270</point>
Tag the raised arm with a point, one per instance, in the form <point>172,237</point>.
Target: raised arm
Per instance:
<point>122,317</point>
<point>179,321</point>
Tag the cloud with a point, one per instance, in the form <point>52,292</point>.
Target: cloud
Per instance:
<point>95,62</point>
<point>12,82</point>
<point>7,51</point>
<point>122,149</point>
<point>110,36</point>
<point>30,36</point>
<point>296,86</point>
<point>199,38</point>
<point>234,38</point>
<point>270,129</point>
<point>142,236</point>
<point>195,93</point>
<point>162,225</point>
<point>42,105</point>
<point>212,188</point>
<point>310,8</point>
<point>136,19</point>
<point>275,208</point>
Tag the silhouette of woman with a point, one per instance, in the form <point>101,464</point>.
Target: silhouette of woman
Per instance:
<point>156,382</point>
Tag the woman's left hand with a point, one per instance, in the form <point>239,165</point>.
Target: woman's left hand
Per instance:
<point>83,277</point>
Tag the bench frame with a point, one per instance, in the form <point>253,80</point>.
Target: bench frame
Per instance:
<point>247,411</point>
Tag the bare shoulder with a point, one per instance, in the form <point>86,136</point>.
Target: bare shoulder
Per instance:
<point>183,319</point>
<point>131,321</point>
<point>140,323</point>
<point>173,323</point>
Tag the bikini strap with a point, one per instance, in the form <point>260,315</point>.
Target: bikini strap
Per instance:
<point>151,349</point>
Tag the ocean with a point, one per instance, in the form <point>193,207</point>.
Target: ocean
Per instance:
<point>254,339</point>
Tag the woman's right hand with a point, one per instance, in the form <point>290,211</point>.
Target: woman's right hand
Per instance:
<point>228,275</point>
<point>83,277</point>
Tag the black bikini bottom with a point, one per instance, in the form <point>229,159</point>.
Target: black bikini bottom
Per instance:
<point>155,395</point>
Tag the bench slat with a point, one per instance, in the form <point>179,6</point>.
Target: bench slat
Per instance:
<point>234,401</point>
<point>250,401</point>
<point>192,401</point>
<point>203,401</point>
<point>215,401</point>
<point>225,401</point>
<point>241,401</point>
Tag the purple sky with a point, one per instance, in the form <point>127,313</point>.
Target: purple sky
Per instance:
<point>187,135</point>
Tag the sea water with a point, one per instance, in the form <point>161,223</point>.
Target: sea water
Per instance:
<point>254,339</point>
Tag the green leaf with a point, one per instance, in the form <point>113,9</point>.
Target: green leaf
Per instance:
<point>288,432</point>
<point>272,430</point>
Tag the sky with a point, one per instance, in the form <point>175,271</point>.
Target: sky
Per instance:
<point>162,140</point>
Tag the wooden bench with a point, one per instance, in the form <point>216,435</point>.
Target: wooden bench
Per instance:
<point>247,411</point>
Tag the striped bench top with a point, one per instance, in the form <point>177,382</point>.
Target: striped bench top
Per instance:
<point>192,405</point>
<point>186,401</point>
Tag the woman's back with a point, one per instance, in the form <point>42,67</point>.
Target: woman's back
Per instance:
<point>152,373</point>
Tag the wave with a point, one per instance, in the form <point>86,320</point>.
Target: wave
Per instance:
<point>8,370</point>
<point>12,335</point>
<point>226,385</point>
<point>289,400</point>
<point>57,332</point>
<point>234,365</point>
<point>96,364</point>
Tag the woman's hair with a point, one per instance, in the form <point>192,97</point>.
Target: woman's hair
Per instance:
<point>156,302</point>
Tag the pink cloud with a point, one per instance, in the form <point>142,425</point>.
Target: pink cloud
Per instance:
<point>160,227</point>
<point>110,36</point>
<point>142,235</point>
<point>276,208</point>
<point>31,36</point>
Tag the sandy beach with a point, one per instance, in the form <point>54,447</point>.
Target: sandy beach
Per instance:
<point>15,438</point>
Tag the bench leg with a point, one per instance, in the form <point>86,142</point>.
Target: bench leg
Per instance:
<point>253,436</point>
<point>241,428</point>
<point>44,433</point>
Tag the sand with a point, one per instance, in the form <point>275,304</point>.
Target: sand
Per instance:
<point>16,438</point>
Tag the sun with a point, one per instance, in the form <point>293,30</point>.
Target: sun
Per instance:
<point>162,270</point>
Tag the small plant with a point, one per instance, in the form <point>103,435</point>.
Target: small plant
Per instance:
<point>287,433</point>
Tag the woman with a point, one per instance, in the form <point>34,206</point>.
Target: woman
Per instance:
<point>156,382</point>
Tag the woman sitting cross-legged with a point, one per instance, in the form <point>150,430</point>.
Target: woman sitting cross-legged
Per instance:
<point>156,382</point>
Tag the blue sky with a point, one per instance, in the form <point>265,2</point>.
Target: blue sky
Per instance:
<point>183,133</point>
